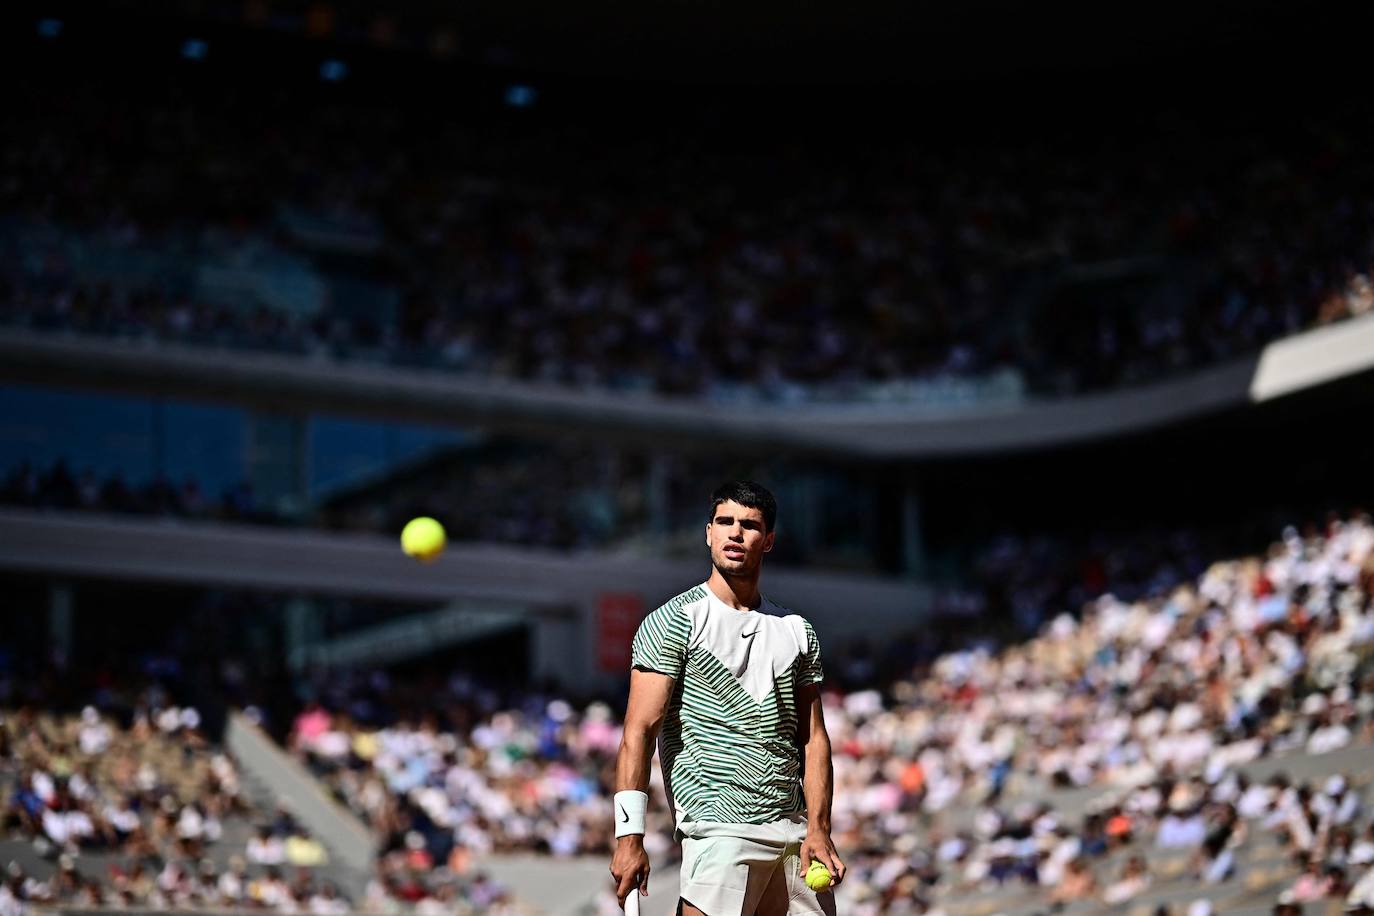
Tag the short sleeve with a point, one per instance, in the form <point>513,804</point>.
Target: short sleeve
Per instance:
<point>660,644</point>
<point>810,671</point>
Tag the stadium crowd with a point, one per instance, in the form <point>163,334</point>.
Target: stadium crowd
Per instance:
<point>135,807</point>
<point>1062,765</point>
<point>151,797</point>
<point>60,487</point>
<point>155,788</point>
<point>789,271</point>
<point>1156,705</point>
<point>1175,673</point>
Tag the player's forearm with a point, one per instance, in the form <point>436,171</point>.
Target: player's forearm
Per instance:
<point>818,783</point>
<point>636,756</point>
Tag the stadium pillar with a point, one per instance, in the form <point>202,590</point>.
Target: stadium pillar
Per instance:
<point>913,544</point>
<point>302,625</point>
<point>60,604</point>
<point>278,461</point>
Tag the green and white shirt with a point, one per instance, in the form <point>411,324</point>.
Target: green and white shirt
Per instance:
<point>728,745</point>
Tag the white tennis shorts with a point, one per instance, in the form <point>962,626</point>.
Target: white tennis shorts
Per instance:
<point>748,870</point>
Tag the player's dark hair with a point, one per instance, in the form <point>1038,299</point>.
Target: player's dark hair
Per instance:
<point>749,494</point>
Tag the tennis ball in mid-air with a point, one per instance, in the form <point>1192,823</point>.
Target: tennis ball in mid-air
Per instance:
<point>423,538</point>
<point>817,876</point>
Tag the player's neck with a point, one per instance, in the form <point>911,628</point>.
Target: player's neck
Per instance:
<point>738,592</point>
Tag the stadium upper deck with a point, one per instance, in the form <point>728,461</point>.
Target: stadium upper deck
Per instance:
<point>266,212</point>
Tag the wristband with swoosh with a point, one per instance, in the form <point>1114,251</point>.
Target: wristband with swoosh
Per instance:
<point>630,806</point>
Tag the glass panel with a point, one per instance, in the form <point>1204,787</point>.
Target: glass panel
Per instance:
<point>345,451</point>
<point>205,443</point>
<point>107,434</point>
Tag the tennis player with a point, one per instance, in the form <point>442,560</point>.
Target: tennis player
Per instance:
<point>729,684</point>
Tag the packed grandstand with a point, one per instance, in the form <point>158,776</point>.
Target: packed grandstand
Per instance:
<point>1192,744</point>
<point>1097,710</point>
<point>779,270</point>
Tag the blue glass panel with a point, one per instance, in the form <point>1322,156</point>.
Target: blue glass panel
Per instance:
<point>107,433</point>
<point>344,451</point>
<point>206,442</point>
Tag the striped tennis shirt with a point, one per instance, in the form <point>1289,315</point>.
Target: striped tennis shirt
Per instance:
<point>728,745</point>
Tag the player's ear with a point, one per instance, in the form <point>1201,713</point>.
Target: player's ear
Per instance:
<point>768,541</point>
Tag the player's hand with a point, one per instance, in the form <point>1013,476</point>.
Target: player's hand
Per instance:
<point>817,846</point>
<point>630,867</point>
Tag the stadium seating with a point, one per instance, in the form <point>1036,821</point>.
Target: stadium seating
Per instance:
<point>957,789</point>
<point>321,225</point>
<point>1205,741</point>
<point>715,274</point>
<point>148,813</point>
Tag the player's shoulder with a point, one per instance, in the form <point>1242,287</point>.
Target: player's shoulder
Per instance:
<point>798,625</point>
<point>677,615</point>
<point>682,604</point>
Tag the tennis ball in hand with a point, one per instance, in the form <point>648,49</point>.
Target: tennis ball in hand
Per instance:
<point>423,538</point>
<point>817,876</point>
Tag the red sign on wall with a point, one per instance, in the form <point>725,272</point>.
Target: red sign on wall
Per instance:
<point>617,616</point>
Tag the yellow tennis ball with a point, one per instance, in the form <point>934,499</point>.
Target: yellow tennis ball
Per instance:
<point>423,538</point>
<point>817,876</point>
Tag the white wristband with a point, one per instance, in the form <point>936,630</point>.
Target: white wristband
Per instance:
<point>629,812</point>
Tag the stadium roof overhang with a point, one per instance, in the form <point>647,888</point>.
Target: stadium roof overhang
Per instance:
<point>854,431</point>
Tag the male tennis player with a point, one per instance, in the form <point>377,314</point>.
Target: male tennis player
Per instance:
<point>732,682</point>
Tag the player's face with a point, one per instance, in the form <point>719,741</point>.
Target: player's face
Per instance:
<point>737,539</point>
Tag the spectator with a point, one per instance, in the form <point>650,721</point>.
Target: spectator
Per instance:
<point>266,848</point>
<point>1181,828</point>
<point>1313,884</point>
<point>1078,883</point>
<point>1134,880</point>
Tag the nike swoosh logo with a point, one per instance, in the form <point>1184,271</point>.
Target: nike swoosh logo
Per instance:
<point>747,635</point>
<point>624,815</point>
